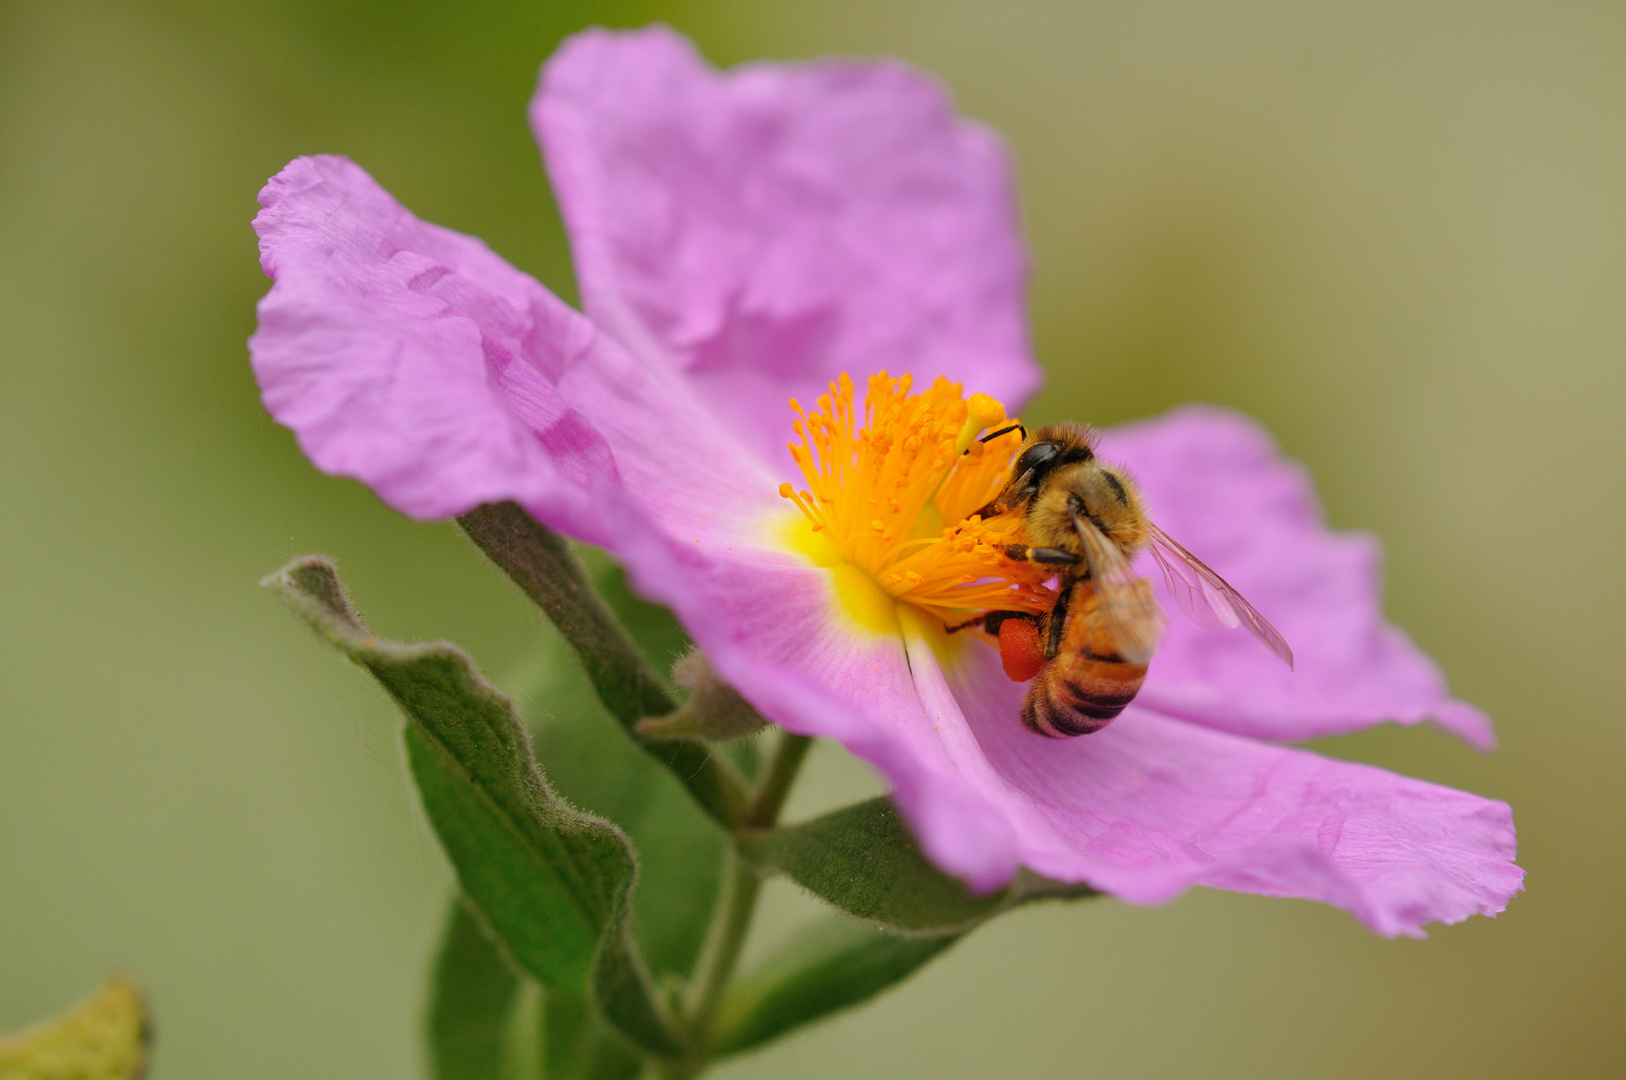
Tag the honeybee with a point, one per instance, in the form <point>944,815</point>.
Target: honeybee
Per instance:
<point>1088,655</point>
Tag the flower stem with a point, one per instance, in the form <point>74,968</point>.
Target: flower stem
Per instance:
<point>731,920</point>
<point>736,904</point>
<point>774,788</point>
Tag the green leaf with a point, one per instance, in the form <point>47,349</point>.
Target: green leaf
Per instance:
<point>471,993</point>
<point>552,882</point>
<point>578,1045</point>
<point>546,878</point>
<point>863,860</point>
<point>486,1023</point>
<point>106,1036</point>
<point>544,568</point>
<point>523,1046</point>
<point>593,765</point>
<point>833,965</point>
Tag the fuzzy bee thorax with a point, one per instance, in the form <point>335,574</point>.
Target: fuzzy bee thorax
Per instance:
<point>1107,499</point>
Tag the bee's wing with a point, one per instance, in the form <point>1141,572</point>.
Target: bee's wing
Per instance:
<point>1207,598</point>
<point>1123,599</point>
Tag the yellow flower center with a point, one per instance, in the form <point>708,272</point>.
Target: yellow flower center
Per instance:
<point>895,492</point>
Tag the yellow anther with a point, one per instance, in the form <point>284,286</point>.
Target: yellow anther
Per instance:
<point>984,410</point>
<point>894,489</point>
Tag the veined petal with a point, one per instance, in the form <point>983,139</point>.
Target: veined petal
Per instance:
<point>1151,805</point>
<point>410,357</point>
<point>1215,482</point>
<point>681,459</point>
<point>769,228</point>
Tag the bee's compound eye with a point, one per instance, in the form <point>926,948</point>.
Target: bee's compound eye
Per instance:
<point>1036,455</point>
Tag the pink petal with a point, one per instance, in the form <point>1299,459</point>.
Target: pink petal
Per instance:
<point>407,355</point>
<point>1151,805</point>
<point>682,463</point>
<point>772,227</point>
<point>1215,482</point>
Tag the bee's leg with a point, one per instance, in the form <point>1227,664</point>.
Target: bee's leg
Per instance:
<point>1057,559</point>
<point>991,621</point>
<point>1058,624</point>
<point>1042,555</point>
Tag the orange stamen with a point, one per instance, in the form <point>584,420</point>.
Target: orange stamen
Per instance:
<point>896,488</point>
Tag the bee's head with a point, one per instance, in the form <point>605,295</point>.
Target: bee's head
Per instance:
<point>1043,452</point>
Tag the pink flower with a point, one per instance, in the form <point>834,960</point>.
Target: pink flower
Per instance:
<point>741,239</point>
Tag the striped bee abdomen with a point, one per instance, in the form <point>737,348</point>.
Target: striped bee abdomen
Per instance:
<point>1075,696</point>
<point>1086,684</point>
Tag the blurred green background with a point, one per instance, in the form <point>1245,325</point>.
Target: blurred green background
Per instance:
<point>1394,232</point>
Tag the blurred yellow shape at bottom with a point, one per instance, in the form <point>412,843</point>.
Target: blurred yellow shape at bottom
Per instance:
<point>104,1037</point>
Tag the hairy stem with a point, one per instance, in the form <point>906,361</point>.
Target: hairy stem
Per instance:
<point>731,921</point>
<point>776,781</point>
<point>736,904</point>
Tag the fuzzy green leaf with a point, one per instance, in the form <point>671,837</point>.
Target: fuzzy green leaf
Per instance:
<point>833,965</point>
<point>552,882</point>
<point>578,1045</point>
<point>591,763</point>
<point>863,860</point>
<point>471,992</point>
<point>547,878</point>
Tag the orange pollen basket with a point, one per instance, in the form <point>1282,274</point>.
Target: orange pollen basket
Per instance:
<point>897,488</point>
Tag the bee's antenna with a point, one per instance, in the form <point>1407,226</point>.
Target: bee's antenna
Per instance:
<point>1006,430</point>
